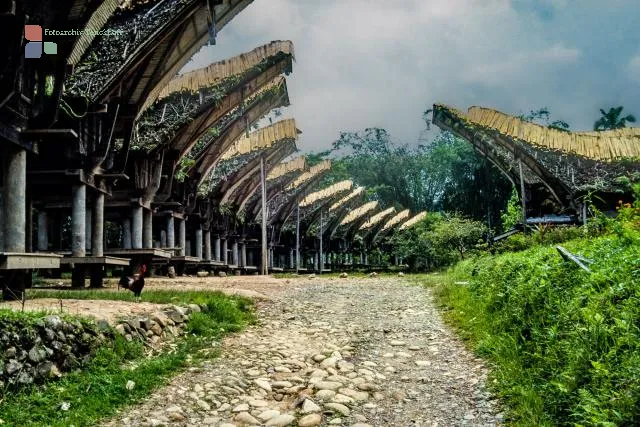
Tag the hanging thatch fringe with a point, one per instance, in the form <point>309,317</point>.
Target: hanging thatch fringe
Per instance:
<point>603,146</point>
<point>413,221</point>
<point>396,219</point>
<point>359,212</point>
<point>297,164</point>
<point>342,202</point>
<point>374,220</point>
<point>95,23</point>
<point>316,170</point>
<point>263,138</point>
<point>325,193</point>
<point>214,73</point>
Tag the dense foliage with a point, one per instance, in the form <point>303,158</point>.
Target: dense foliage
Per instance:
<point>565,342</point>
<point>444,175</point>
<point>437,241</point>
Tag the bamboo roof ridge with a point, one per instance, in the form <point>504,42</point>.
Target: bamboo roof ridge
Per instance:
<point>413,221</point>
<point>397,219</point>
<point>314,171</point>
<point>377,218</point>
<point>603,146</point>
<point>297,164</point>
<point>325,193</point>
<point>359,212</point>
<point>98,19</point>
<point>263,138</point>
<point>347,198</point>
<point>216,72</point>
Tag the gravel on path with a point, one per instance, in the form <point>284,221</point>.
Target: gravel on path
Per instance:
<point>353,352</point>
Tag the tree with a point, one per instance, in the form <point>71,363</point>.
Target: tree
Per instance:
<point>542,116</point>
<point>613,120</point>
<point>457,233</point>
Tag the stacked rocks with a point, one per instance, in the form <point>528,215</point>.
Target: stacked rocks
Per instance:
<point>169,321</point>
<point>34,352</point>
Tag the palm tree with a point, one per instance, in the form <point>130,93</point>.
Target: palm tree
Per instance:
<point>612,119</point>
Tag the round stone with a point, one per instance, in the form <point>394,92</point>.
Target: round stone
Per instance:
<point>310,420</point>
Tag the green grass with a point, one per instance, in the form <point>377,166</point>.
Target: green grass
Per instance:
<point>98,391</point>
<point>565,344</point>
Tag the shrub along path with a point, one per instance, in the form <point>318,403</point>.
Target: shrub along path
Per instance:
<point>368,351</point>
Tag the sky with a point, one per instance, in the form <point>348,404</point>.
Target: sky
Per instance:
<point>381,63</point>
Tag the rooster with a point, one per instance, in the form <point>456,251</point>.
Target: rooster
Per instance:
<point>134,283</point>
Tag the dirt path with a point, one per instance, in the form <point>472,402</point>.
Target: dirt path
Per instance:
<point>352,352</point>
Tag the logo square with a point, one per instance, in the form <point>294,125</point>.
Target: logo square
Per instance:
<point>50,48</point>
<point>33,50</point>
<point>33,33</point>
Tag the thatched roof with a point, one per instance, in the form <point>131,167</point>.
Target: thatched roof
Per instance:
<point>602,146</point>
<point>243,184</point>
<point>359,212</point>
<point>413,221</point>
<point>213,74</point>
<point>156,40</point>
<point>98,19</point>
<point>212,149</point>
<point>314,171</point>
<point>326,193</point>
<point>193,102</point>
<point>282,169</point>
<point>377,218</point>
<point>340,203</point>
<point>247,150</point>
<point>263,138</point>
<point>557,167</point>
<point>397,219</point>
<point>193,135</point>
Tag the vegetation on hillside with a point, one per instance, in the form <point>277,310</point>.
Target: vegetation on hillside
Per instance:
<point>565,343</point>
<point>86,396</point>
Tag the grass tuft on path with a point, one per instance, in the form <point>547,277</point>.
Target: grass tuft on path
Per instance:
<point>565,344</point>
<point>83,398</point>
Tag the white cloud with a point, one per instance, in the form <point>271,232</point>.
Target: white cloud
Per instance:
<point>634,69</point>
<point>518,66</point>
<point>363,63</point>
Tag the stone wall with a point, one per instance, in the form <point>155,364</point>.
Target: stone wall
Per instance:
<point>34,351</point>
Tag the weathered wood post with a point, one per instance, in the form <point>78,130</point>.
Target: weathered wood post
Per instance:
<point>43,231</point>
<point>136,227</point>
<point>171,232</point>
<point>298,238</point>
<point>263,188</point>
<point>126,234</point>
<point>321,255</point>
<point>182,237</point>
<point>523,197</point>
<point>243,254</point>
<point>225,251</point>
<point>216,249</point>
<point>207,245</point>
<point>147,233</point>
<point>199,242</point>
<point>78,232</point>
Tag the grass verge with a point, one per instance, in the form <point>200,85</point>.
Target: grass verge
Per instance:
<point>83,398</point>
<point>565,344</point>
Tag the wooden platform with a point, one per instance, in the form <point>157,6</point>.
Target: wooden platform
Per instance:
<point>91,260</point>
<point>211,263</point>
<point>186,259</point>
<point>27,261</point>
<point>130,253</point>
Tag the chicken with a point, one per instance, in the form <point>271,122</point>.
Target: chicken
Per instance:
<point>134,283</point>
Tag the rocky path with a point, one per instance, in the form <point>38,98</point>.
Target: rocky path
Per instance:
<point>351,352</point>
